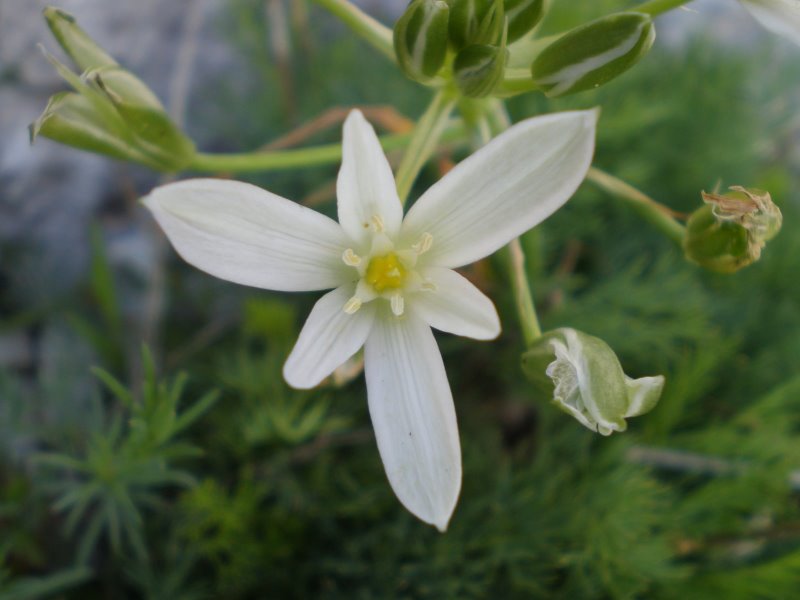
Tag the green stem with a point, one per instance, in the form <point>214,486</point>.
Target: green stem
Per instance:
<point>294,159</point>
<point>424,140</point>
<point>657,7</point>
<point>373,32</point>
<point>650,210</point>
<point>499,121</point>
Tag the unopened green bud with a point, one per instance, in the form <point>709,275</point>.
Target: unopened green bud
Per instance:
<point>593,54</point>
<point>523,16</point>
<point>420,38</point>
<point>479,68</point>
<point>730,230</point>
<point>111,111</point>
<point>476,22</point>
<point>586,380</point>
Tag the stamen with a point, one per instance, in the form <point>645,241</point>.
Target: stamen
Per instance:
<point>398,305</point>
<point>377,224</point>
<point>428,286</point>
<point>424,244</point>
<point>350,258</point>
<point>352,305</point>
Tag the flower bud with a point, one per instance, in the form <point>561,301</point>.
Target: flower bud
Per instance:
<point>593,54</point>
<point>420,38</point>
<point>479,68</point>
<point>475,22</point>
<point>523,16</point>
<point>111,111</point>
<point>586,380</point>
<point>730,230</point>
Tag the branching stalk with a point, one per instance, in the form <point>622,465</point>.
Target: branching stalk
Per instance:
<point>376,34</point>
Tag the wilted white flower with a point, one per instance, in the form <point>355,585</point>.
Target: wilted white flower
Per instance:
<point>393,278</point>
<point>587,381</point>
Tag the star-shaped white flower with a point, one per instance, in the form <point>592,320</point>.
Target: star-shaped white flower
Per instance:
<point>393,278</point>
<point>779,16</point>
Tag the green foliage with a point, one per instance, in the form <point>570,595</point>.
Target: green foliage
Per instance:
<point>698,499</point>
<point>103,492</point>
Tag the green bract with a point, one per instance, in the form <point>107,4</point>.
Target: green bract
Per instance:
<point>593,54</point>
<point>420,38</point>
<point>730,230</point>
<point>111,111</point>
<point>586,380</point>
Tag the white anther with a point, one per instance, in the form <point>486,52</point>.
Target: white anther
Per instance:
<point>377,224</point>
<point>428,286</point>
<point>398,304</point>
<point>350,258</point>
<point>424,244</point>
<point>352,305</point>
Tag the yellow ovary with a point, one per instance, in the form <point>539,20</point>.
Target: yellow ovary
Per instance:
<point>385,273</point>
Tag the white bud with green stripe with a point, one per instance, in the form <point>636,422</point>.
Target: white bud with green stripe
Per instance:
<point>420,39</point>
<point>586,380</point>
<point>593,54</point>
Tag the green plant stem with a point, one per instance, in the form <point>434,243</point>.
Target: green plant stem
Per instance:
<point>376,34</point>
<point>424,140</point>
<point>657,7</point>
<point>650,210</point>
<point>293,159</point>
<point>498,122</point>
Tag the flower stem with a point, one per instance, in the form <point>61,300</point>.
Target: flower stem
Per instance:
<point>424,140</point>
<point>376,34</point>
<point>294,159</point>
<point>656,214</point>
<point>656,7</point>
<point>499,121</point>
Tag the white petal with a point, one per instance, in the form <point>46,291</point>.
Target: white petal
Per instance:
<point>242,233</point>
<point>456,306</point>
<point>365,188</point>
<point>778,16</point>
<point>510,185</point>
<point>329,337</point>
<point>413,415</point>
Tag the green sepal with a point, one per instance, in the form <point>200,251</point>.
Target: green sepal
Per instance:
<point>593,54</point>
<point>158,137</point>
<point>523,16</point>
<point>83,51</point>
<point>70,119</point>
<point>584,378</point>
<point>420,39</point>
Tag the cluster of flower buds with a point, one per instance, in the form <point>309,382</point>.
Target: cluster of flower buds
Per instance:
<point>469,37</point>
<point>111,111</point>
<point>729,231</point>
<point>472,42</point>
<point>583,376</point>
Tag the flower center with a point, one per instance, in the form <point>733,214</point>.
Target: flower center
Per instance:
<point>385,273</point>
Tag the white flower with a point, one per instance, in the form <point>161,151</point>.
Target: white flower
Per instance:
<point>393,278</point>
<point>779,16</point>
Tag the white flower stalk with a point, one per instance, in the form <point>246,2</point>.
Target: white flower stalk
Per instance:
<point>393,278</point>
<point>781,17</point>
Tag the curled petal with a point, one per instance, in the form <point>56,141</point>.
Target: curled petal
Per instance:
<point>242,233</point>
<point>413,415</point>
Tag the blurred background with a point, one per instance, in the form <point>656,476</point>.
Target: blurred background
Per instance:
<point>257,491</point>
